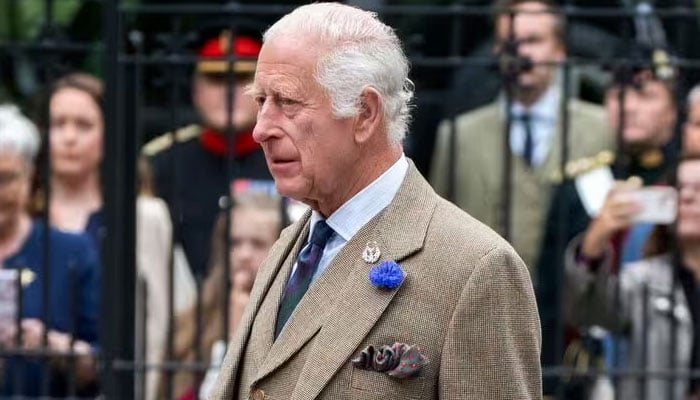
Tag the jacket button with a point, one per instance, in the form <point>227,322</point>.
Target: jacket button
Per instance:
<point>258,394</point>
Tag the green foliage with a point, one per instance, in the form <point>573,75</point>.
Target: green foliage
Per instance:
<point>23,19</point>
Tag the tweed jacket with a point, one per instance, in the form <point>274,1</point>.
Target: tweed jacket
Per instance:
<point>479,169</point>
<point>466,300</point>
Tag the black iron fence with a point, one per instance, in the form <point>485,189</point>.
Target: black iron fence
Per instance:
<point>145,52</point>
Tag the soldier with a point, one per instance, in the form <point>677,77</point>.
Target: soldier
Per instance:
<point>191,165</point>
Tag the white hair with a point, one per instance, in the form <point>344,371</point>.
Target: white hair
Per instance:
<point>693,96</point>
<point>365,53</point>
<point>18,134</point>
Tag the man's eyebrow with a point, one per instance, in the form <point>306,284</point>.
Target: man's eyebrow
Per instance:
<point>252,89</point>
<point>279,90</point>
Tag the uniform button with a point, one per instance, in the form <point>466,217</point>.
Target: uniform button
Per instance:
<point>258,394</point>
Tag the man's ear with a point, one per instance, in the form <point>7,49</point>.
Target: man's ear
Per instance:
<point>370,116</point>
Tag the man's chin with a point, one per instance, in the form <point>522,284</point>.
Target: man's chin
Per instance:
<point>287,189</point>
<point>221,128</point>
<point>217,124</point>
<point>527,81</point>
<point>636,143</point>
<point>527,89</point>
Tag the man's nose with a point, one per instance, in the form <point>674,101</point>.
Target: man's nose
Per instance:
<point>631,102</point>
<point>523,48</point>
<point>265,124</point>
<point>260,134</point>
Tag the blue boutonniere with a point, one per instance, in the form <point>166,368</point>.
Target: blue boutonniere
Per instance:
<point>388,275</point>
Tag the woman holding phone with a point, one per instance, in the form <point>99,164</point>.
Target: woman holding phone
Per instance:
<point>651,298</point>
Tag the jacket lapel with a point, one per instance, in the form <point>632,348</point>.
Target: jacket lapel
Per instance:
<point>267,314</point>
<point>551,168</point>
<point>268,271</point>
<point>309,315</point>
<point>356,305</point>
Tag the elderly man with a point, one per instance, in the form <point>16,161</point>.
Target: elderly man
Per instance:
<point>471,166</point>
<point>383,289</point>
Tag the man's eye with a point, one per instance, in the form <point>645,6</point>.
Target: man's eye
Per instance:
<point>259,100</point>
<point>287,101</point>
<point>530,40</point>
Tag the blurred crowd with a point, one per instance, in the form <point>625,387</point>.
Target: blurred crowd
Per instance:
<point>601,201</point>
<point>196,220</point>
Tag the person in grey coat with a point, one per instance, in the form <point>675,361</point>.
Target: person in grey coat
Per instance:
<point>650,301</point>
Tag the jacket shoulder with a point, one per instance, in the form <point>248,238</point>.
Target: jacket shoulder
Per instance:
<point>585,110</point>
<point>472,125</point>
<point>165,141</point>
<point>463,234</point>
<point>487,114</point>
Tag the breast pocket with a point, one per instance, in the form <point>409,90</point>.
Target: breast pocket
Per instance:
<point>378,385</point>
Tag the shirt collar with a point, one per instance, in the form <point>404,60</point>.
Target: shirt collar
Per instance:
<point>365,205</point>
<point>546,108</point>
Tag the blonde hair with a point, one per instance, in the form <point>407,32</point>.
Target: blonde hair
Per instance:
<point>213,299</point>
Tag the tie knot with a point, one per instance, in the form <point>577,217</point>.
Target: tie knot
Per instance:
<point>322,232</point>
<point>525,117</point>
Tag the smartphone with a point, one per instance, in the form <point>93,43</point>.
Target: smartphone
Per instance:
<point>659,204</point>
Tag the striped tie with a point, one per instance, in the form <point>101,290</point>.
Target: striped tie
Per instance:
<point>299,282</point>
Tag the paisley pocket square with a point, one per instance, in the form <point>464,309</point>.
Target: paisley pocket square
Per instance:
<point>399,360</point>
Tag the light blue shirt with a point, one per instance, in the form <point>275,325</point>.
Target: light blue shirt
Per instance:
<point>356,212</point>
<point>543,121</point>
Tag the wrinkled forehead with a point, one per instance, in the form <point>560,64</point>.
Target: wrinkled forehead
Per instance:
<point>285,80</point>
<point>287,65</point>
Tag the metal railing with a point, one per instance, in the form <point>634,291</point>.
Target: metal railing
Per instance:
<point>146,73</point>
